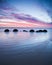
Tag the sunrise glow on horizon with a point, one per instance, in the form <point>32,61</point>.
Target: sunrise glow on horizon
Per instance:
<point>22,23</point>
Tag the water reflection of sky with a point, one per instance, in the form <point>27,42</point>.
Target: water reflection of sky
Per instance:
<point>25,48</point>
<point>23,38</point>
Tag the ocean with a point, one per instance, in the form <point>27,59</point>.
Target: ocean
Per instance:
<point>26,48</point>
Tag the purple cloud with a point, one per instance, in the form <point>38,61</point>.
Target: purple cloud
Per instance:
<point>11,13</point>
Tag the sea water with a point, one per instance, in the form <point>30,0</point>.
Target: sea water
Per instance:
<point>26,48</point>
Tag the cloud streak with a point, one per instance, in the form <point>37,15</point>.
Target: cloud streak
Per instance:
<point>22,14</point>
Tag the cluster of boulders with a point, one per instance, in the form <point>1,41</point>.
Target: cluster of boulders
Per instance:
<point>15,30</point>
<point>41,31</point>
<point>38,30</point>
<point>7,30</point>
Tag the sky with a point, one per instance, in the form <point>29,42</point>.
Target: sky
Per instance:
<point>33,13</point>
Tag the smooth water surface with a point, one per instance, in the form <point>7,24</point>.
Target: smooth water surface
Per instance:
<point>25,48</point>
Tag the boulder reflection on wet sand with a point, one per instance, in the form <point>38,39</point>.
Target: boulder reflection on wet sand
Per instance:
<point>15,30</point>
<point>6,30</point>
<point>31,30</point>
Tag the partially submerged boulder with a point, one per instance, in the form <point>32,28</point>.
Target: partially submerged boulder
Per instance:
<point>41,31</point>
<point>6,30</point>
<point>44,30</point>
<point>25,31</point>
<point>15,30</point>
<point>31,30</point>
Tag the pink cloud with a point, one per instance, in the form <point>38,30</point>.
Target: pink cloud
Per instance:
<point>8,13</point>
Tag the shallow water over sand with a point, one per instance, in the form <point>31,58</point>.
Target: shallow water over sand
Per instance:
<point>25,48</point>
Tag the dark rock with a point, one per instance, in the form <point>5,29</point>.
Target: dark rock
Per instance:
<point>25,31</point>
<point>44,30</point>
<point>6,30</point>
<point>15,30</point>
<point>31,30</point>
<point>39,31</point>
